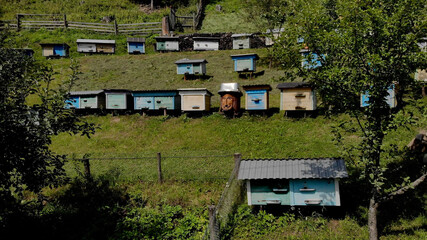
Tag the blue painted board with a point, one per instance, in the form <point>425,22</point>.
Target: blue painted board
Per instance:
<point>256,99</point>
<point>314,62</point>
<point>143,102</point>
<point>59,50</point>
<point>72,102</point>
<point>185,68</point>
<point>136,47</point>
<point>270,192</point>
<point>312,190</point>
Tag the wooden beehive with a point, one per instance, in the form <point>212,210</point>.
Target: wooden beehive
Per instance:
<point>86,100</point>
<point>195,99</point>
<point>118,99</point>
<point>245,62</point>
<point>391,97</point>
<point>257,97</point>
<point>136,45</point>
<point>297,96</point>
<point>191,66</point>
<point>156,100</point>
<point>53,50</point>
<point>205,43</point>
<point>96,46</point>
<point>241,41</point>
<point>166,43</point>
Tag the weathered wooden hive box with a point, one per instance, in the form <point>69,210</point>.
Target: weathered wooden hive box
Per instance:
<point>53,50</point>
<point>273,34</point>
<point>166,43</point>
<point>118,99</point>
<point>241,41</point>
<point>245,62</point>
<point>96,46</point>
<point>195,99</point>
<point>191,66</point>
<point>205,43</point>
<point>257,97</point>
<point>136,45</point>
<point>391,97</point>
<point>293,182</point>
<point>230,97</point>
<point>297,96</point>
<point>156,100</point>
<point>86,100</point>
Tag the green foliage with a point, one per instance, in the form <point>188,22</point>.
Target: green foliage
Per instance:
<point>26,130</point>
<point>167,222</point>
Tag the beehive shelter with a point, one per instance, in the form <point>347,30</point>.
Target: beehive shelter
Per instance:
<point>136,45</point>
<point>195,99</point>
<point>241,41</point>
<point>245,62</point>
<point>191,66</point>
<point>166,43</point>
<point>297,96</point>
<point>257,97</point>
<point>205,43</point>
<point>55,50</point>
<point>293,182</point>
<point>96,46</point>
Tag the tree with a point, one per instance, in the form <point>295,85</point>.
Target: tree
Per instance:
<point>363,46</point>
<point>31,112</point>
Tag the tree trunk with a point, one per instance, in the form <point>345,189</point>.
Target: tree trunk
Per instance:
<point>372,219</point>
<point>152,4</point>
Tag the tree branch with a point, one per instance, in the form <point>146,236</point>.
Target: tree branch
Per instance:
<point>404,189</point>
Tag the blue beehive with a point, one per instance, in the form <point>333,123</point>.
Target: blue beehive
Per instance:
<point>293,182</point>
<point>156,100</point>
<point>73,102</point>
<point>86,100</point>
<point>256,97</point>
<point>52,50</point>
<point>310,59</point>
<point>194,66</point>
<point>391,97</point>
<point>245,62</point>
<point>136,45</point>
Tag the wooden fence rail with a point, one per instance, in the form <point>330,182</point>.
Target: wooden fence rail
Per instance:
<point>54,21</point>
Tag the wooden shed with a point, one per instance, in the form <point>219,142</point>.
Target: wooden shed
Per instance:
<point>156,100</point>
<point>136,45</point>
<point>195,99</point>
<point>205,43</point>
<point>86,100</point>
<point>242,41</point>
<point>293,182</point>
<point>391,97</point>
<point>245,62</point>
<point>118,99</point>
<point>55,50</point>
<point>96,46</point>
<point>230,98</point>
<point>166,43</point>
<point>191,66</point>
<point>257,97</point>
<point>297,96</point>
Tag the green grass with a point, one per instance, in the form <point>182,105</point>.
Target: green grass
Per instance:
<point>125,11</point>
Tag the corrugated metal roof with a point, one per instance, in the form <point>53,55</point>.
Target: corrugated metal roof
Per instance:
<point>96,41</point>
<point>292,169</point>
<point>293,85</point>
<point>195,89</point>
<point>86,92</point>
<point>136,40</point>
<point>186,60</point>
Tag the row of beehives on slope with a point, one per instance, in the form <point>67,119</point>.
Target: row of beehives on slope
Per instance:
<point>137,45</point>
<point>295,96</point>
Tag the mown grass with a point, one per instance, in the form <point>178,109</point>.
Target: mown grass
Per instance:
<point>124,11</point>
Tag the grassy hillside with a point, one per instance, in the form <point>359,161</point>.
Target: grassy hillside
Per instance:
<point>124,11</point>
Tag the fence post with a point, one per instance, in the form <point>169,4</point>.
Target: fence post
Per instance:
<point>18,22</point>
<point>237,160</point>
<point>212,222</point>
<point>116,30</point>
<point>194,21</point>
<point>65,21</point>
<point>159,167</point>
<point>165,26</point>
<point>87,167</point>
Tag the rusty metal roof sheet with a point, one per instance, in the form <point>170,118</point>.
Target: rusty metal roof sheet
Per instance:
<point>292,168</point>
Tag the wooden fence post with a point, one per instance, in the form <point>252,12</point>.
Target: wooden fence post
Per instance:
<point>65,21</point>
<point>159,167</point>
<point>18,22</point>
<point>116,30</point>
<point>212,222</point>
<point>165,26</point>
<point>194,21</point>
<point>87,167</point>
<point>237,160</point>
